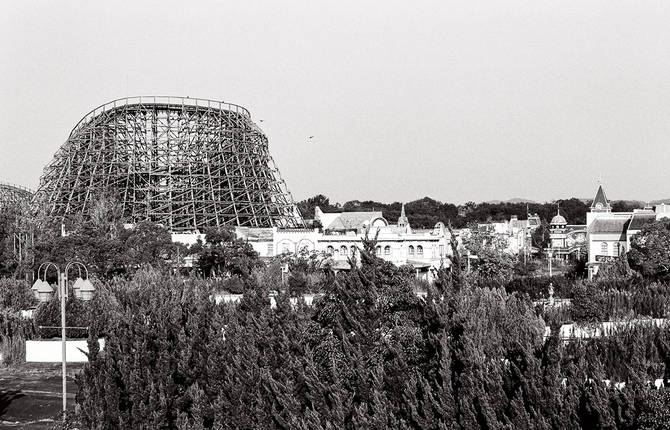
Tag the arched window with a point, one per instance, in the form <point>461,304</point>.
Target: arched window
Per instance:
<point>419,251</point>
<point>411,250</point>
<point>378,251</point>
<point>343,251</point>
<point>603,248</point>
<point>330,250</point>
<point>387,250</point>
<point>353,251</point>
<point>616,249</point>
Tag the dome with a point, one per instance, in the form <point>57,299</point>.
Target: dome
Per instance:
<point>181,162</point>
<point>558,220</point>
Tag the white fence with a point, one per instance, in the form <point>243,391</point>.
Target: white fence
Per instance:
<point>49,351</point>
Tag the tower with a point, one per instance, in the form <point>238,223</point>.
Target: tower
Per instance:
<point>600,202</point>
<point>557,230</point>
<point>599,207</point>
<point>402,220</point>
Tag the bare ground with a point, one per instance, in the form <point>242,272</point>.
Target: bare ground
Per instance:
<point>31,395</point>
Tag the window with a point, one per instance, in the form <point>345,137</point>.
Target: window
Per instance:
<point>441,250</point>
<point>419,251</point>
<point>378,251</point>
<point>270,249</point>
<point>343,251</point>
<point>616,248</point>
<point>603,248</point>
<point>353,251</point>
<point>387,250</point>
<point>411,250</point>
<point>330,250</point>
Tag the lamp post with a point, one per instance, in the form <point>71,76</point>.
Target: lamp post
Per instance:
<point>62,291</point>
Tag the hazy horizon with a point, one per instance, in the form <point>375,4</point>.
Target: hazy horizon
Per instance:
<point>455,101</point>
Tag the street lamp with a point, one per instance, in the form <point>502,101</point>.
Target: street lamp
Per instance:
<point>84,285</point>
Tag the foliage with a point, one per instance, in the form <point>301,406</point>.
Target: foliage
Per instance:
<point>369,354</point>
<point>16,294</point>
<point>426,212</point>
<point>588,303</point>
<point>650,250</point>
<point>14,331</point>
<point>147,244</point>
<point>540,237</point>
<point>618,269</point>
<point>306,207</point>
<point>49,314</point>
<point>305,273</point>
<point>108,254</point>
<point>223,254</point>
<point>493,261</point>
<point>8,220</point>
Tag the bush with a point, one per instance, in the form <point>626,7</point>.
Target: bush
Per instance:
<point>49,314</point>
<point>233,285</point>
<point>14,331</point>
<point>588,303</point>
<point>16,294</point>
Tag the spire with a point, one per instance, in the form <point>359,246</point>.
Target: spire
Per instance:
<point>600,203</point>
<point>402,220</point>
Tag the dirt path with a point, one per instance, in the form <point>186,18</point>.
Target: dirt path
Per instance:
<point>31,395</point>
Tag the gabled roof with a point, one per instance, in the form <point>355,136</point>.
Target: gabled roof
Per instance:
<point>353,220</point>
<point>609,225</point>
<point>639,220</point>
<point>600,198</point>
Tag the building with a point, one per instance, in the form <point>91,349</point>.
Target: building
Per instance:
<point>567,241</point>
<point>516,233</point>
<point>609,233</point>
<point>341,237</point>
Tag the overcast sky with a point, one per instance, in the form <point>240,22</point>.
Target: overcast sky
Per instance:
<point>458,101</point>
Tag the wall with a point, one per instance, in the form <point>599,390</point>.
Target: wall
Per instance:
<point>49,351</point>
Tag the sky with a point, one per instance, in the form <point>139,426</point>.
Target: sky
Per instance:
<point>456,100</point>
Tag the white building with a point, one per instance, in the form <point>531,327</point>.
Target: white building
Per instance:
<point>342,234</point>
<point>609,233</point>
<point>516,233</point>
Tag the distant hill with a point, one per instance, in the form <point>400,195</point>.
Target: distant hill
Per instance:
<point>512,200</point>
<point>657,202</point>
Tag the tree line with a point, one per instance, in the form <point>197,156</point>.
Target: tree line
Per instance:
<point>369,354</point>
<point>426,212</point>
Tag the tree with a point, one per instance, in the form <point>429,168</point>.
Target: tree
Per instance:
<point>650,250</point>
<point>147,243</point>
<point>588,303</point>
<point>493,260</point>
<point>306,207</point>
<point>540,237</point>
<point>224,254</point>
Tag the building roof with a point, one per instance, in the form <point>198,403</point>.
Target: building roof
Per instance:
<point>640,219</point>
<point>609,225</point>
<point>600,198</point>
<point>253,234</point>
<point>354,220</point>
<point>558,219</point>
